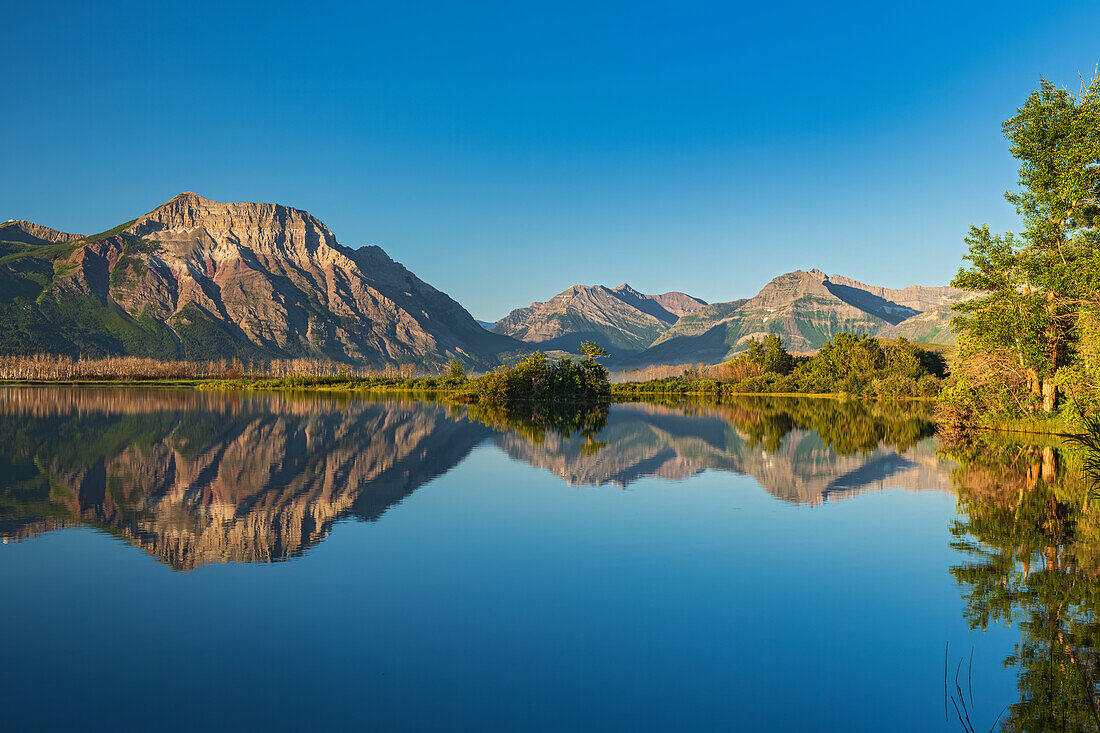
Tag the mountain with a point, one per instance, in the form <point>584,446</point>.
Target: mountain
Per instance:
<point>621,319</point>
<point>199,279</point>
<point>806,309</point>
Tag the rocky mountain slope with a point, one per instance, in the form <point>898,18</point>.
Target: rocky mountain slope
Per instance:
<point>621,319</point>
<point>196,278</point>
<point>806,309</point>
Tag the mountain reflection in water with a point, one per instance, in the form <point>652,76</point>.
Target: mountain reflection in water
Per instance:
<point>195,477</point>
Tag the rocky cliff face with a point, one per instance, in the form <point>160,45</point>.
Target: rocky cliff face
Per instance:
<point>204,279</point>
<point>806,308</point>
<point>619,318</point>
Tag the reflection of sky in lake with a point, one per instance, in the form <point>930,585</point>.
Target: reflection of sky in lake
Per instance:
<point>489,593</point>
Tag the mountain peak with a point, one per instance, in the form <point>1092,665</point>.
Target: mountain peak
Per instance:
<point>190,196</point>
<point>251,224</point>
<point>187,198</point>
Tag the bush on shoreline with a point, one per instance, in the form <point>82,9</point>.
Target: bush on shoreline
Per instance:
<point>537,379</point>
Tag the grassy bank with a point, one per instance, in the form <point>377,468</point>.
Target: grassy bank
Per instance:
<point>533,380</point>
<point>335,384</point>
<point>629,393</point>
<point>1054,425</point>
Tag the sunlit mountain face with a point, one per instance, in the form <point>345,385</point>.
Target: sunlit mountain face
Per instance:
<point>194,477</point>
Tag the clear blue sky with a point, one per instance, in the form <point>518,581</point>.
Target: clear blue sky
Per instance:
<point>505,151</point>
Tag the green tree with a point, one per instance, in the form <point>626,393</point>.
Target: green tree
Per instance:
<point>456,374</point>
<point>1026,323</point>
<point>592,350</point>
<point>776,357</point>
<point>770,355</point>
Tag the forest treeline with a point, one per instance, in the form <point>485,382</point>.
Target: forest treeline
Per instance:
<point>850,364</point>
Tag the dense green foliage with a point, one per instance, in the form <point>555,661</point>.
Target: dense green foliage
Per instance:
<point>849,364</point>
<point>536,378</point>
<point>1032,334</point>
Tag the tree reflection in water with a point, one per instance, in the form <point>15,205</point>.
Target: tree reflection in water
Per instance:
<point>1032,544</point>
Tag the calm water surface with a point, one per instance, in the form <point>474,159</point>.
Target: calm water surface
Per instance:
<point>180,559</point>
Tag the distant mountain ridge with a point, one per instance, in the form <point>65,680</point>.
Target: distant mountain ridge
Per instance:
<point>197,278</point>
<point>806,308</point>
<point>619,318</point>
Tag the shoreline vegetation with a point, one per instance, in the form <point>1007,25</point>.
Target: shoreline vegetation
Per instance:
<point>848,365</point>
<point>849,368</point>
<point>535,379</point>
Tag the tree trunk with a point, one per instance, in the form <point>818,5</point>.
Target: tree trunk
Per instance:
<point>1050,396</point>
<point>1050,391</point>
<point>1033,383</point>
<point>1050,465</point>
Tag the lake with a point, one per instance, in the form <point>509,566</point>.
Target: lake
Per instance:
<point>186,559</point>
